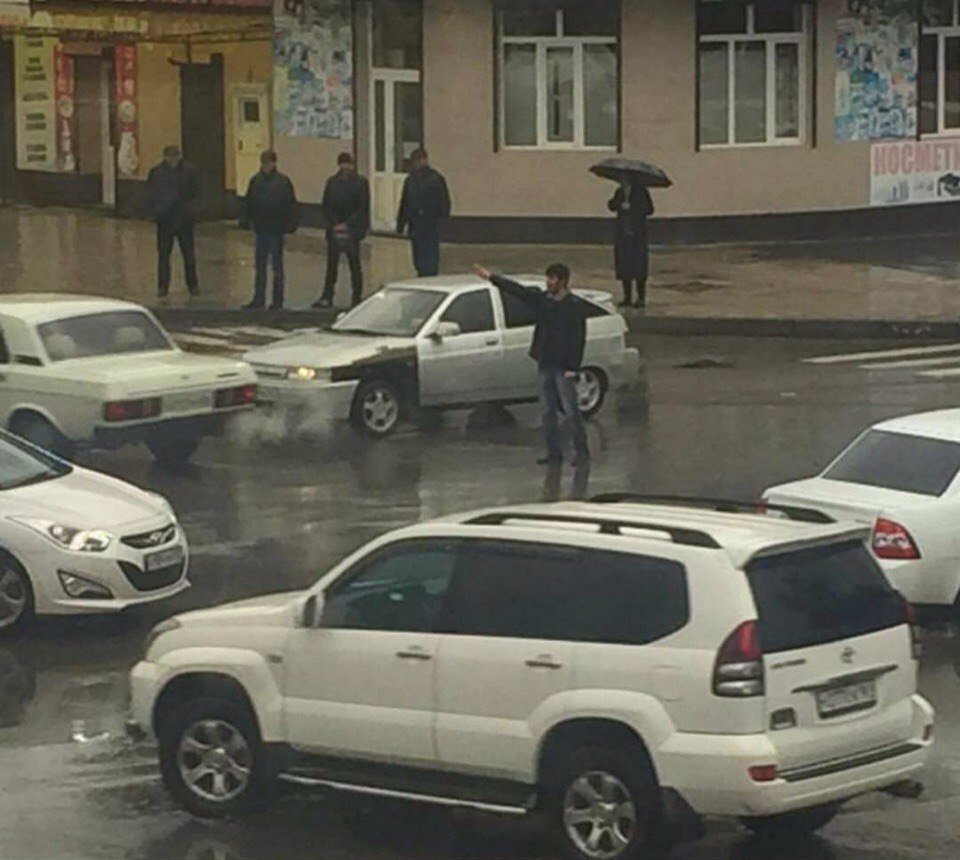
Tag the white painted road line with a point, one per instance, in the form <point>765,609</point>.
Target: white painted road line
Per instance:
<point>940,374</point>
<point>889,353</point>
<point>909,363</point>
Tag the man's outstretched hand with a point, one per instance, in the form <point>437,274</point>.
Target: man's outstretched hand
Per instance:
<point>481,272</point>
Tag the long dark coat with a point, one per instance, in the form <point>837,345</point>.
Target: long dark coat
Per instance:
<point>631,244</point>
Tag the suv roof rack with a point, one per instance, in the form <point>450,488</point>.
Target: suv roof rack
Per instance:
<point>689,537</point>
<point>726,506</point>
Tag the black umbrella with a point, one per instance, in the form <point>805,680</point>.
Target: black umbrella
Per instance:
<point>632,170</point>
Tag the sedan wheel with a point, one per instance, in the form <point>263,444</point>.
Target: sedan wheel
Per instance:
<point>599,815</point>
<point>215,760</point>
<point>376,409</point>
<point>591,391</point>
<point>16,601</point>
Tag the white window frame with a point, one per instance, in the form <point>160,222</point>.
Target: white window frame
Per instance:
<point>951,31</point>
<point>542,44</point>
<point>770,40</point>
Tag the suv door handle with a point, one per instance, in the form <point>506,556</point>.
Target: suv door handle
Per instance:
<point>414,653</point>
<point>492,342</point>
<point>544,661</point>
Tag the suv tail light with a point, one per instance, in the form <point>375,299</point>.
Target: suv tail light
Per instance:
<point>891,540</point>
<point>131,410</point>
<point>242,396</point>
<point>910,617</point>
<point>738,672</point>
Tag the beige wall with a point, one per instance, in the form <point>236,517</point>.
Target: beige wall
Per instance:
<point>308,162</point>
<point>658,124</point>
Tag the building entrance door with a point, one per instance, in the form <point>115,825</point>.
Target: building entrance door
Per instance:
<point>201,123</point>
<point>251,131</point>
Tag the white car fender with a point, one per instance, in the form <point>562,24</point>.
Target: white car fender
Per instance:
<point>249,669</point>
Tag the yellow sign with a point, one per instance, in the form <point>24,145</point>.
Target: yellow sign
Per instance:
<point>35,109</point>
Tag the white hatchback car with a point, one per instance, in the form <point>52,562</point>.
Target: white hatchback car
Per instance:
<point>73,541</point>
<point>431,344</point>
<point>902,478</point>
<point>617,665</point>
<point>91,372</point>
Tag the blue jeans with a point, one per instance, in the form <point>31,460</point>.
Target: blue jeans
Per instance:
<point>426,250</point>
<point>558,401</point>
<point>268,249</point>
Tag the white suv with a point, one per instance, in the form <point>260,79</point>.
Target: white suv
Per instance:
<point>614,665</point>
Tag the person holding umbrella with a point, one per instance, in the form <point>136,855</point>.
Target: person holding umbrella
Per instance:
<point>633,206</point>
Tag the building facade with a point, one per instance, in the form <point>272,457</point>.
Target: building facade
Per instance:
<point>91,92</point>
<point>773,117</point>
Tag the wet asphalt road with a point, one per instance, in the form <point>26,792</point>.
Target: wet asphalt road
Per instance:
<point>266,511</point>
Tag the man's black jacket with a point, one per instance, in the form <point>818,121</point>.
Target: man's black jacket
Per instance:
<point>560,336</point>
<point>270,205</point>
<point>172,191</point>
<point>346,200</point>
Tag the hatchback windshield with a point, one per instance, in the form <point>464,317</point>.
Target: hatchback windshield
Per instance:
<point>396,311</point>
<point>22,464</point>
<point>110,333</point>
<point>895,461</point>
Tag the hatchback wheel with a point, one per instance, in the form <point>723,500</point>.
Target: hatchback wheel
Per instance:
<point>376,408</point>
<point>591,390</point>
<point>212,759</point>
<point>16,596</point>
<point>603,802</point>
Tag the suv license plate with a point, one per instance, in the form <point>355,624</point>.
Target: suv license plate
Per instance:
<point>166,558</point>
<point>846,700</point>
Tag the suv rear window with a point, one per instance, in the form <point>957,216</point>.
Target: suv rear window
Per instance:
<point>821,595</point>
<point>896,461</point>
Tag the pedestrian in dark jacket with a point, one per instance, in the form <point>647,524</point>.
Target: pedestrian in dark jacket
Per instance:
<point>173,185</point>
<point>346,211</point>
<point>423,207</point>
<point>633,205</point>
<point>271,209</point>
<point>559,340</point>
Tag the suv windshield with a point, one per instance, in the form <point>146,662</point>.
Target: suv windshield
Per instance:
<point>109,333</point>
<point>896,461</point>
<point>22,464</point>
<point>395,311</point>
<point>820,595</point>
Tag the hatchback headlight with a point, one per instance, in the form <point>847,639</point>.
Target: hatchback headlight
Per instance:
<point>167,626</point>
<point>69,537</point>
<point>308,374</point>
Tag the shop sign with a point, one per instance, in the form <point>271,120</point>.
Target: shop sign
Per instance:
<point>14,13</point>
<point>34,90</point>
<point>925,171</point>
<point>65,86</point>
<point>125,98</point>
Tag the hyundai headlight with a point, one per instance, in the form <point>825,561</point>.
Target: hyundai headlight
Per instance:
<point>308,374</point>
<point>69,537</point>
<point>167,626</point>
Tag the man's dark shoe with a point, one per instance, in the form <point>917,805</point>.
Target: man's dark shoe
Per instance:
<point>276,306</point>
<point>581,461</point>
<point>252,306</point>
<point>163,294</point>
<point>322,303</point>
<point>551,458</point>
<point>194,293</point>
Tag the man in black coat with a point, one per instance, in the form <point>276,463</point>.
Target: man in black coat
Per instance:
<point>424,205</point>
<point>271,208</point>
<point>346,211</point>
<point>173,185</point>
<point>559,341</point>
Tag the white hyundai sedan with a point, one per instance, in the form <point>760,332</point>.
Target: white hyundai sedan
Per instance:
<point>432,344</point>
<point>81,371</point>
<point>73,541</point>
<point>901,478</point>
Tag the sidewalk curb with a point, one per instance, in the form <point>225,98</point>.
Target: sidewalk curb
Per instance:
<point>639,324</point>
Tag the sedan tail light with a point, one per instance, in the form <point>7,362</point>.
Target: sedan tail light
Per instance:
<point>244,395</point>
<point>738,671</point>
<point>131,410</point>
<point>892,541</point>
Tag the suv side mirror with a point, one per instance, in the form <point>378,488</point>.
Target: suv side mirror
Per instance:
<point>310,611</point>
<point>444,329</point>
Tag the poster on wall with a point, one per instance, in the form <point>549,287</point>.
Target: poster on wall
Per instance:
<point>876,70</point>
<point>915,172</point>
<point>125,98</point>
<point>64,89</point>
<point>36,128</point>
<point>313,68</point>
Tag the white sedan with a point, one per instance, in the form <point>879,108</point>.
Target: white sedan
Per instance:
<point>73,541</point>
<point>900,477</point>
<point>433,344</point>
<point>90,372</point>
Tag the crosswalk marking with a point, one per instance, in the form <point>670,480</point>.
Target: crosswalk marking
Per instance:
<point>940,374</point>
<point>909,363</point>
<point>888,353</point>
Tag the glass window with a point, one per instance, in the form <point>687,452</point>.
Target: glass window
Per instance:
<point>592,19</point>
<point>777,16</point>
<point>111,333</point>
<point>518,313</point>
<point>951,82</point>
<point>520,95</point>
<point>720,17</point>
<point>396,35</point>
<point>896,461</point>
<point>929,85</point>
<point>380,128</point>
<point>821,595</point>
<point>4,352</point>
<point>397,311</point>
<point>408,123</point>
<point>560,95</point>
<point>401,588</point>
<point>473,312</point>
<point>939,77</point>
<point>750,93</point>
<point>251,110</point>
<point>529,22</point>
<point>938,13</point>
<point>599,83</point>
<point>22,464</point>
<point>788,91</point>
<point>714,94</point>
